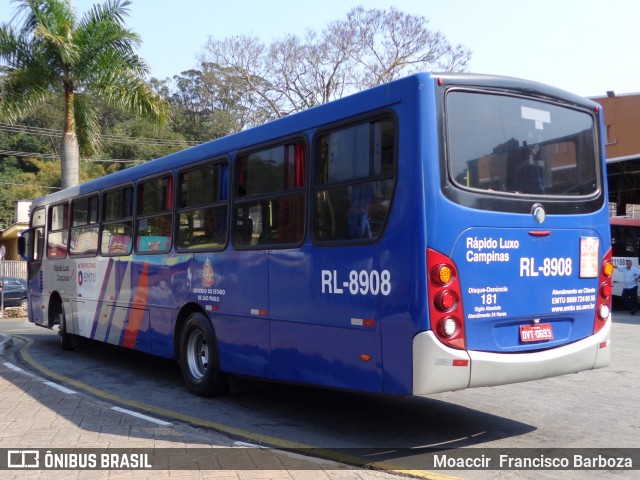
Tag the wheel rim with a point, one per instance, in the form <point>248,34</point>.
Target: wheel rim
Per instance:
<point>197,355</point>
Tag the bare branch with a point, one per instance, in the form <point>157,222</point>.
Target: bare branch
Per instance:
<point>368,48</point>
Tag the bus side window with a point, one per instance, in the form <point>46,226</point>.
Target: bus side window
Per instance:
<point>354,182</point>
<point>203,207</point>
<point>38,223</point>
<point>84,226</point>
<point>58,235</point>
<point>270,207</point>
<point>117,222</point>
<point>154,214</point>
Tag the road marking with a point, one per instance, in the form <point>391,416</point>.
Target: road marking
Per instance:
<point>141,416</point>
<point>11,366</point>
<point>61,388</point>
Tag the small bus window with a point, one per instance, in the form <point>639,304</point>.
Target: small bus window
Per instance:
<point>155,202</point>
<point>117,222</point>
<point>84,230</point>
<point>58,231</point>
<point>270,209</point>
<point>202,214</point>
<point>38,223</point>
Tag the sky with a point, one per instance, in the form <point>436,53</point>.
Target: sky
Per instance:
<point>587,47</point>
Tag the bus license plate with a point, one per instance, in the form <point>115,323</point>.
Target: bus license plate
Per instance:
<point>536,333</point>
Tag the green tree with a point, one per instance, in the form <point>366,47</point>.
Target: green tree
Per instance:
<point>137,139</point>
<point>49,51</point>
<point>206,105</point>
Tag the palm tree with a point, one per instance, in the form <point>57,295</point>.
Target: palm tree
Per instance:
<point>47,50</point>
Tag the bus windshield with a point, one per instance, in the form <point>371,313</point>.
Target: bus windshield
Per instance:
<point>514,145</point>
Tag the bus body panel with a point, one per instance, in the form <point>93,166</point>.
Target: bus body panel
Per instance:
<point>403,247</point>
<point>510,277</point>
<point>232,287</point>
<point>314,302</point>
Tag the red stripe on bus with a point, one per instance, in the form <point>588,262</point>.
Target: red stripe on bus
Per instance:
<point>136,315</point>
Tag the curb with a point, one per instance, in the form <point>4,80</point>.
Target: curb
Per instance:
<point>5,342</point>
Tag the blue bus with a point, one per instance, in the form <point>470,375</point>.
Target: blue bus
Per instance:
<point>439,232</point>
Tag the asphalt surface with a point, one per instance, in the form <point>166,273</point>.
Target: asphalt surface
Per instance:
<point>41,412</point>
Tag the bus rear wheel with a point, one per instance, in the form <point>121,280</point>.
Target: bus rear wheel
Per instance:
<point>199,360</point>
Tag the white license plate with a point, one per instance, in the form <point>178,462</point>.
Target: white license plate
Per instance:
<point>536,333</point>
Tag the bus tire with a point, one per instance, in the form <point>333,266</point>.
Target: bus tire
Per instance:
<point>199,361</point>
<point>66,339</point>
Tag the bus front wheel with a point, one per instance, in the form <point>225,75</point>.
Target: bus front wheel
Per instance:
<point>66,339</point>
<point>199,360</point>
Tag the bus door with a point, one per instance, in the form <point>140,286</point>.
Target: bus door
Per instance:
<point>31,248</point>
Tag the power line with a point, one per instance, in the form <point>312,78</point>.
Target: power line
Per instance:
<point>113,160</point>
<point>49,132</point>
<point>29,154</point>
<point>52,156</point>
<point>7,127</point>
<point>29,185</point>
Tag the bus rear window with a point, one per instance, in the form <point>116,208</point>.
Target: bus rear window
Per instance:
<point>509,144</point>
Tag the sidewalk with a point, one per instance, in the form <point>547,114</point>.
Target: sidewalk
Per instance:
<point>41,416</point>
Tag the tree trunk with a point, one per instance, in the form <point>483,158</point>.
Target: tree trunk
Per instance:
<point>70,151</point>
<point>70,160</point>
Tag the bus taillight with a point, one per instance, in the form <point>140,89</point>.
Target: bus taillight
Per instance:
<point>442,274</point>
<point>447,327</point>
<point>605,290</point>
<point>446,300</point>
<point>445,307</point>
<point>603,309</point>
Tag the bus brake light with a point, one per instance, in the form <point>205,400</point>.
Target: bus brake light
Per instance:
<point>446,300</point>
<point>605,290</point>
<point>445,306</point>
<point>603,309</point>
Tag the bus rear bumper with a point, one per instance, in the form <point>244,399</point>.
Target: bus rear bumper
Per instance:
<point>438,368</point>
